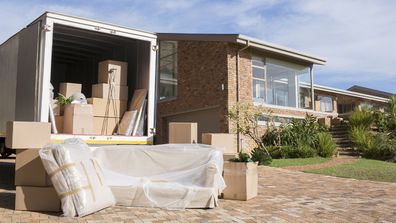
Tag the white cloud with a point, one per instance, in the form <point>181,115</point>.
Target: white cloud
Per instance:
<point>356,36</point>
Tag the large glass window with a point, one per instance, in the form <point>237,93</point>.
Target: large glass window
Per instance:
<point>168,69</point>
<point>258,70</point>
<point>281,83</point>
<point>326,103</point>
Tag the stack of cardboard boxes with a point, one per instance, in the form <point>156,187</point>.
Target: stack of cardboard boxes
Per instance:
<point>109,96</point>
<point>34,190</point>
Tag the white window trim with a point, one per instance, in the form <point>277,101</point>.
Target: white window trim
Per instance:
<point>265,105</point>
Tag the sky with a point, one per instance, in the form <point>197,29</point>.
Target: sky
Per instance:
<point>356,37</point>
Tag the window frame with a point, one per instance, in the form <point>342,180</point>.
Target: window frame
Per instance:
<point>264,68</point>
<point>175,71</point>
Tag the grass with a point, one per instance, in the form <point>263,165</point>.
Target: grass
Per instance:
<point>363,169</point>
<point>297,161</point>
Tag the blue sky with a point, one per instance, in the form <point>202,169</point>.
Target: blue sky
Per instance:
<point>357,37</point>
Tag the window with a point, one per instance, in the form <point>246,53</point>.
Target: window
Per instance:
<point>258,79</point>
<point>326,103</point>
<point>168,69</point>
<point>281,83</point>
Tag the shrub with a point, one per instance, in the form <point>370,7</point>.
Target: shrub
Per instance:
<point>326,145</point>
<point>301,151</point>
<point>242,157</point>
<point>361,138</point>
<point>363,118</point>
<point>382,148</point>
<point>261,156</point>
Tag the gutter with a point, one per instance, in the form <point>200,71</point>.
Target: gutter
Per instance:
<point>237,90</point>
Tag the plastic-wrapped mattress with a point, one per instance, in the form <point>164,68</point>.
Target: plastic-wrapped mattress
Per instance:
<point>77,177</point>
<point>167,176</point>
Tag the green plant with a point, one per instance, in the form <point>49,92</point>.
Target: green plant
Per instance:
<point>260,156</point>
<point>63,100</point>
<point>361,118</point>
<point>326,145</point>
<point>242,157</point>
<point>361,138</point>
<point>245,119</point>
<point>382,148</point>
<point>301,151</point>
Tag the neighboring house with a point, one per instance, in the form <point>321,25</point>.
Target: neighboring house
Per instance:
<point>370,91</point>
<point>202,76</point>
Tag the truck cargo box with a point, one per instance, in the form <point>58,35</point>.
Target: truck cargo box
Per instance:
<point>56,49</point>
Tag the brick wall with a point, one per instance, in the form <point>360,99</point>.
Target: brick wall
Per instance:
<point>201,71</point>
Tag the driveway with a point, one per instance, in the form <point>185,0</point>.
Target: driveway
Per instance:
<point>284,196</point>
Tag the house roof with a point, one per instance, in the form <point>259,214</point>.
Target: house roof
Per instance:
<point>350,93</point>
<point>245,40</point>
<point>370,91</point>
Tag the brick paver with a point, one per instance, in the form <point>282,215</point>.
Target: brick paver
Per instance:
<point>284,196</point>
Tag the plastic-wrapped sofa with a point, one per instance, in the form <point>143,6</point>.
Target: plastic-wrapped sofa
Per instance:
<point>168,176</point>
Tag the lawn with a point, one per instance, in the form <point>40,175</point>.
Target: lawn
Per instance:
<point>363,169</point>
<point>297,161</point>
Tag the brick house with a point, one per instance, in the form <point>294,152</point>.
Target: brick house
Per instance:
<point>202,76</point>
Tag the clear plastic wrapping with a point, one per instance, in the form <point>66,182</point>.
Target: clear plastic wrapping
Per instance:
<point>77,177</point>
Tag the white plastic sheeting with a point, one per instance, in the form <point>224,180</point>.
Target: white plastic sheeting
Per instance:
<point>77,177</point>
<point>166,176</point>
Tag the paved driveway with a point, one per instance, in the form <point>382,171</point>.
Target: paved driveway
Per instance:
<point>284,196</point>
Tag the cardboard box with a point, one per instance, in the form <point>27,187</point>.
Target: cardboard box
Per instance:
<point>111,68</point>
<point>37,199</point>
<point>223,141</point>
<point>105,125</point>
<point>29,170</point>
<point>78,119</point>
<point>107,107</point>
<point>68,89</point>
<point>183,132</point>
<point>22,135</point>
<point>241,180</point>
<point>102,91</point>
<point>59,123</point>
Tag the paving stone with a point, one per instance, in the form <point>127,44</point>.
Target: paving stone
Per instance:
<point>284,196</point>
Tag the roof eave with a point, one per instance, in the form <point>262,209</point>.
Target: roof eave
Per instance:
<point>280,50</point>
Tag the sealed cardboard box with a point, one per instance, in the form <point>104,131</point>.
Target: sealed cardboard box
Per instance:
<point>59,123</point>
<point>183,132</point>
<point>105,125</point>
<point>102,91</point>
<point>78,119</point>
<point>241,180</point>
<point>22,135</point>
<point>30,198</point>
<point>68,89</point>
<point>29,170</point>
<point>107,107</point>
<point>113,71</point>
<point>225,142</point>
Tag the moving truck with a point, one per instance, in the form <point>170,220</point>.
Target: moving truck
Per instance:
<point>57,48</point>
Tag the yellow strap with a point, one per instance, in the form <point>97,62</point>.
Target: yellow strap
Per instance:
<point>61,168</point>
